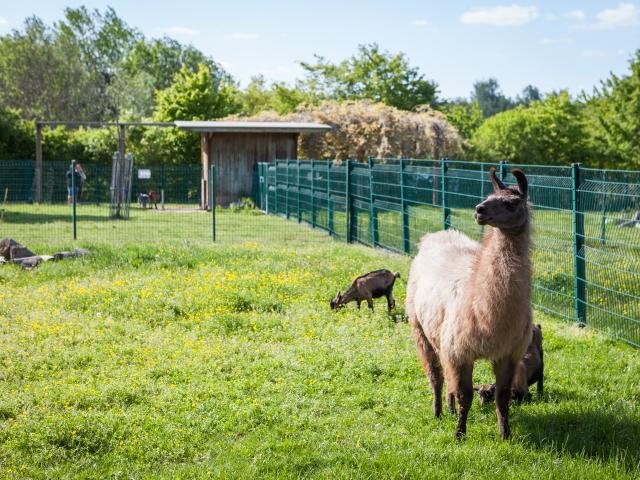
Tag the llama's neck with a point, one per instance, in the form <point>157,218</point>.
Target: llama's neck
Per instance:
<point>502,275</point>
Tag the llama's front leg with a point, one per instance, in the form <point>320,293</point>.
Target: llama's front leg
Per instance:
<point>463,384</point>
<point>504,370</point>
<point>431,365</point>
<point>358,303</point>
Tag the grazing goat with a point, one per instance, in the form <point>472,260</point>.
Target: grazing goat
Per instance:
<point>154,197</point>
<point>530,369</point>
<point>367,287</point>
<point>468,300</point>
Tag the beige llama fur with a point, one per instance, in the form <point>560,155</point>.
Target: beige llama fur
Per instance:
<point>468,300</point>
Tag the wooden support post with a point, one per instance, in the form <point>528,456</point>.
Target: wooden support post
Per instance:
<point>38,172</point>
<point>205,152</point>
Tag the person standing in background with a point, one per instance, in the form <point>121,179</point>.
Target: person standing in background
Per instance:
<point>78,181</point>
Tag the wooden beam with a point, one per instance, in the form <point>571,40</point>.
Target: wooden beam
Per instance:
<point>38,172</point>
<point>205,154</point>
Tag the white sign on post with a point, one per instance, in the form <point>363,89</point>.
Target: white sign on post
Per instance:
<point>144,173</point>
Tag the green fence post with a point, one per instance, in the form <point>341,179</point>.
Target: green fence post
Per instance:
<point>73,198</point>
<point>373,211</point>
<point>313,193</point>
<point>406,240</point>
<point>298,190</point>
<point>276,193</point>
<point>603,207</point>
<point>329,202</point>
<point>446,212</point>
<point>286,196</point>
<point>481,190</point>
<point>212,200</point>
<point>579,269</point>
<point>97,192</point>
<point>503,169</point>
<point>347,199</point>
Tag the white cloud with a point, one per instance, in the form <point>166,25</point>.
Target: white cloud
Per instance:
<point>500,16</point>
<point>243,36</point>
<point>577,15</point>
<point>177,30</point>
<point>624,15</point>
<point>420,23</point>
<point>3,22</point>
<point>552,17</point>
<point>555,41</point>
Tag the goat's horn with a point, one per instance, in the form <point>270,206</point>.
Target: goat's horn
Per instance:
<point>495,181</point>
<point>523,184</point>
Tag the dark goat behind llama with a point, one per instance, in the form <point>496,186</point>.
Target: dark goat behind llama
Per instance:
<point>529,370</point>
<point>367,287</point>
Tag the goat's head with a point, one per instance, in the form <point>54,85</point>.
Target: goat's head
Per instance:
<point>486,392</point>
<point>336,302</point>
<point>506,207</point>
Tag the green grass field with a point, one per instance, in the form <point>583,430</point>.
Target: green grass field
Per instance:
<point>172,357</point>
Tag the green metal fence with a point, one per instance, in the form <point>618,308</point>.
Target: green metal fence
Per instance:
<point>586,222</point>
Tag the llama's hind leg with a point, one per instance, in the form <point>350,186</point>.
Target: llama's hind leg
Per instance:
<point>461,381</point>
<point>451,399</point>
<point>504,370</point>
<point>431,365</point>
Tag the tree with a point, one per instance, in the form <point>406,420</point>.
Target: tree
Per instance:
<point>466,117</point>
<point>278,97</point>
<point>191,96</point>
<point>529,95</point>
<point>196,96</point>
<point>371,74</point>
<point>489,97</point>
<point>549,131</point>
<point>615,113</point>
<point>43,77</point>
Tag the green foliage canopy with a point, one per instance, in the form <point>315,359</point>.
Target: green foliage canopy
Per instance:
<point>550,131</point>
<point>371,74</point>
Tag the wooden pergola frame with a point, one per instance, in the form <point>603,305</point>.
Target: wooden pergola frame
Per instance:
<point>121,126</point>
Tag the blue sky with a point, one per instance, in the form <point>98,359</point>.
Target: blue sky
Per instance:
<point>550,44</point>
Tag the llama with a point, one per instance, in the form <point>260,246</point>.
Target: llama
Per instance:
<point>468,300</point>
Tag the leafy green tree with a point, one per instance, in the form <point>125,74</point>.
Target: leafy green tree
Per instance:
<point>192,96</point>
<point>278,97</point>
<point>614,114</point>
<point>529,95</point>
<point>196,96</point>
<point>549,131</point>
<point>466,117</point>
<point>43,77</point>
<point>374,75</point>
<point>489,97</point>
<point>17,136</point>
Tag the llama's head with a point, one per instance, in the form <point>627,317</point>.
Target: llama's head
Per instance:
<point>507,207</point>
<point>336,302</point>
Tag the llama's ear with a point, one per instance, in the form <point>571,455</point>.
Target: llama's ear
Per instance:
<point>523,184</point>
<point>495,181</point>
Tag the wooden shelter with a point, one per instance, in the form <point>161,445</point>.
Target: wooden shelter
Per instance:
<point>236,147</point>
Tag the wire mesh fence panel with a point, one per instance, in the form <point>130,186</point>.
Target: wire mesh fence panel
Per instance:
<point>610,202</point>
<point>586,223</point>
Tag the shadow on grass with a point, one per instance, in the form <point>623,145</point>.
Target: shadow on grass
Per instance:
<point>604,435</point>
<point>38,218</point>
